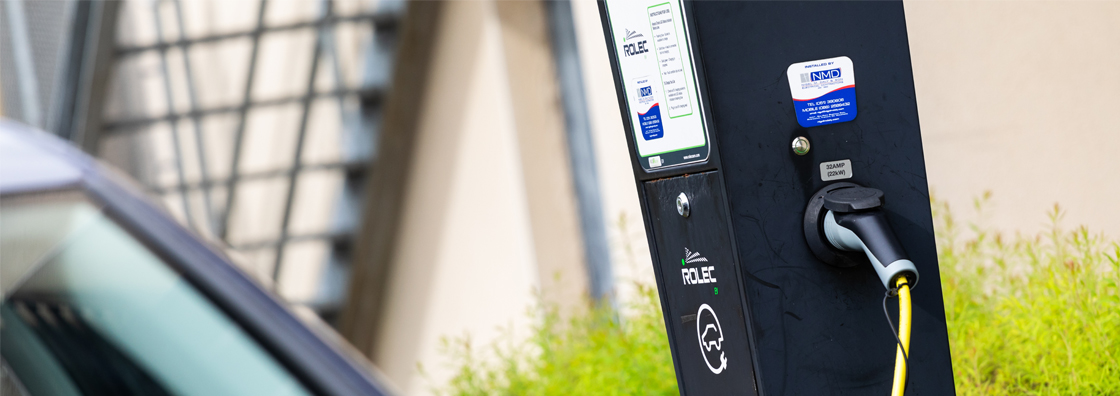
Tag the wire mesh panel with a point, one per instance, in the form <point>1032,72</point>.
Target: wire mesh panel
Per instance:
<point>254,123</point>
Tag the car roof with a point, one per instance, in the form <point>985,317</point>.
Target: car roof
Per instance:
<point>30,160</point>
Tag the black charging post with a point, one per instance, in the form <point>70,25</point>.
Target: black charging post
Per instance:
<point>738,115</point>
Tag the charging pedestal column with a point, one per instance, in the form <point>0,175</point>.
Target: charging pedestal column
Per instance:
<point>738,115</point>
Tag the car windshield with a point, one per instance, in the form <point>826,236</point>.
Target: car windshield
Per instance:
<point>89,310</point>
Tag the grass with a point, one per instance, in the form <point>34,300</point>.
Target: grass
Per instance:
<point>1036,315</point>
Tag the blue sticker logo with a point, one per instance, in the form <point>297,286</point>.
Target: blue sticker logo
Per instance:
<point>824,75</point>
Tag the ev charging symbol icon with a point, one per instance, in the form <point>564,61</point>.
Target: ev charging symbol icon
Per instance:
<point>711,338</point>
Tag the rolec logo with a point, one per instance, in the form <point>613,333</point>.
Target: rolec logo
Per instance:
<point>696,275</point>
<point>633,48</point>
<point>710,334</point>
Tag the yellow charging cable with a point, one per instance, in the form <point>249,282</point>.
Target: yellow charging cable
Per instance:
<point>900,361</point>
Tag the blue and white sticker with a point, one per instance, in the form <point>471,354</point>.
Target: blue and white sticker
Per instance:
<point>649,120</point>
<point>824,91</point>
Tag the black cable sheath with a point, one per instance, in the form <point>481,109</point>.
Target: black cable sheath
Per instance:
<point>894,331</point>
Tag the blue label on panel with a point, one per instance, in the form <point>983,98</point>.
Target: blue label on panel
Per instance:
<point>651,123</point>
<point>838,105</point>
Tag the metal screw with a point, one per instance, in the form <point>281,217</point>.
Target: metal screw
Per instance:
<point>800,145</point>
<point>682,205</point>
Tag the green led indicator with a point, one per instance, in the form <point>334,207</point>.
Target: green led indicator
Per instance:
<point>682,262</point>
<point>717,291</point>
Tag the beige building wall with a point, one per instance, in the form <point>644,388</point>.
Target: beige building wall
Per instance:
<point>1019,98</point>
<point>464,263</point>
<point>489,220</point>
<point>546,168</point>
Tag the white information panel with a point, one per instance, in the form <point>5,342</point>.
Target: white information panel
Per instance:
<point>658,77</point>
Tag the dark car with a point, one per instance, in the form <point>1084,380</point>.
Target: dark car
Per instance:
<point>105,294</point>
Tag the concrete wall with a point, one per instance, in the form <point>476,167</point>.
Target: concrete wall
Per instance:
<point>489,217</point>
<point>1018,98</point>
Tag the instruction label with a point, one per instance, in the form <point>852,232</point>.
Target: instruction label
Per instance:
<point>657,71</point>
<point>824,91</point>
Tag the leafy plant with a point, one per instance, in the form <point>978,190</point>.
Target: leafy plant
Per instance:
<point>1030,315</point>
<point>1026,315</point>
<point>591,354</point>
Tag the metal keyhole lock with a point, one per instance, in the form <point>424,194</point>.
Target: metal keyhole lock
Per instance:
<point>682,205</point>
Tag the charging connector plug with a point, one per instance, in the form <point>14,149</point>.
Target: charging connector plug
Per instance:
<point>854,222</point>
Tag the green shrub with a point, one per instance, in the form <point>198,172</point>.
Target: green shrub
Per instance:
<point>1026,315</point>
<point>1030,315</point>
<point>591,354</point>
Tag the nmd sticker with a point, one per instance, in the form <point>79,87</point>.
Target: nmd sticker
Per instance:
<point>824,91</point>
<point>650,119</point>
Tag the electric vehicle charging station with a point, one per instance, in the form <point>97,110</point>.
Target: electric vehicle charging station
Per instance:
<point>781,199</point>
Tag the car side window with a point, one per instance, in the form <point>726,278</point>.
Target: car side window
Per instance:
<point>102,314</point>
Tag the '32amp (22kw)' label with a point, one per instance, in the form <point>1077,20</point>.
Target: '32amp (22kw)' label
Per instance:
<point>836,170</point>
